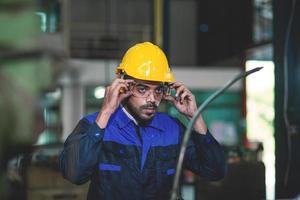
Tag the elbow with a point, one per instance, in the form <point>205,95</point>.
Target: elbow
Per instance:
<point>222,173</point>
<point>77,180</point>
<point>213,173</point>
<point>70,174</point>
<point>218,174</point>
<point>220,169</point>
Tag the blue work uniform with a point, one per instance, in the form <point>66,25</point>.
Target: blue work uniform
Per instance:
<point>127,161</point>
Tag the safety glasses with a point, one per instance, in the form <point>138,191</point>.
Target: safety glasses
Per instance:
<point>143,91</point>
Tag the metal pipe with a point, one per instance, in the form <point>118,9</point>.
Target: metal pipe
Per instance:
<point>175,189</point>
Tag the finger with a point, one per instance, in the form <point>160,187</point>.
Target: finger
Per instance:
<point>119,89</point>
<point>129,81</point>
<point>179,90</point>
<point>125,85</point>
<point>119,81</point>
<point>115,82</point>
<point>175,85</point>
<point>185,95</point>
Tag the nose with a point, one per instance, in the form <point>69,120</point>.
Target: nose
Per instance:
<point>151,97</point>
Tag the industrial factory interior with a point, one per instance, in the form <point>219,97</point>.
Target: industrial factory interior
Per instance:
<point>58,57</point>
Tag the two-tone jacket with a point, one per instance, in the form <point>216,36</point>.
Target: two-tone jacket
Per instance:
<point>126,161</point>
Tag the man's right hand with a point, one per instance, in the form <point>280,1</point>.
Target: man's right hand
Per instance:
<point>114,95</point>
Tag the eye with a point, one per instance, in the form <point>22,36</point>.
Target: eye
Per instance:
<point>141,89</point>
<point>159,90</point>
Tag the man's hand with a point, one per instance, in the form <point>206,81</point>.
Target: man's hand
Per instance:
<point>114,95</point>
<point>185,102</point>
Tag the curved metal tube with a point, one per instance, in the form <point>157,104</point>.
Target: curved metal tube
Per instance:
<point>175,191</point>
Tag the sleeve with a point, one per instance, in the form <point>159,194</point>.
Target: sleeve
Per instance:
<point>204,156</point>
<point>78,159</point>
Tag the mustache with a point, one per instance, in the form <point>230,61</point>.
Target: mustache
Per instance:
<point>149,105</point>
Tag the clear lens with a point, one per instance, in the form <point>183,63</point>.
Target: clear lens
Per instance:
<point>143,91</point>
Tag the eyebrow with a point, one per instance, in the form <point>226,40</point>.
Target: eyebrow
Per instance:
<point>142,85</point>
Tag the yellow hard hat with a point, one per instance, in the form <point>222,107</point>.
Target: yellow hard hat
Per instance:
<point>146,61</point>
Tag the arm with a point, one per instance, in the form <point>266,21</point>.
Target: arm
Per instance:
<point>204,156</point>
<point>79,157</point>
<point>185,102</point>
<point>80,154</point>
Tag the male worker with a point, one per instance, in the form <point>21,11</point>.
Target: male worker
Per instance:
<point>128,150</point>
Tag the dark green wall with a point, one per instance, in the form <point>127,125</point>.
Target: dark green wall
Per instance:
<point>226,109</point>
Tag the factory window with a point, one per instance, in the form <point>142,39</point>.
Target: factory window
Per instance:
<point>49,16</point>
<point>260,116</point>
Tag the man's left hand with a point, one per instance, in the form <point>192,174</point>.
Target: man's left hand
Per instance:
<point>185,102</point>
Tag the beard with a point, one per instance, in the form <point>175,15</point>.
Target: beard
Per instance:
<point>143,114</point>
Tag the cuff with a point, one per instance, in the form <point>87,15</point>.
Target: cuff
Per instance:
<point>206,140</point>
<point>95,132</point>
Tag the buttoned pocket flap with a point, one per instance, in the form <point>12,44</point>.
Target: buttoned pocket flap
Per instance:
<point>118,149</point>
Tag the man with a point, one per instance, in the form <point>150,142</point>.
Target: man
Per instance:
<point>129,150</point>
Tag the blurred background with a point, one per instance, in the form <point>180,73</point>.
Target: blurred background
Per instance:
<point>57,56</point>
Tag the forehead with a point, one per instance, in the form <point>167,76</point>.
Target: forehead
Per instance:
<point>149,83</point>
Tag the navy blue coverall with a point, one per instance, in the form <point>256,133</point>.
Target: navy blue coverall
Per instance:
<point>126,161</point>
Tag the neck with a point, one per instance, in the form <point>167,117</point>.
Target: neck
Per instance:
<point>137,120</point>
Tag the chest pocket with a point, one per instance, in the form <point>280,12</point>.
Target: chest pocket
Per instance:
<point>166,165</point>
<point>166,153</point>
<point>117,154</point>
<point>167,157</point>
<point>117,150</point>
